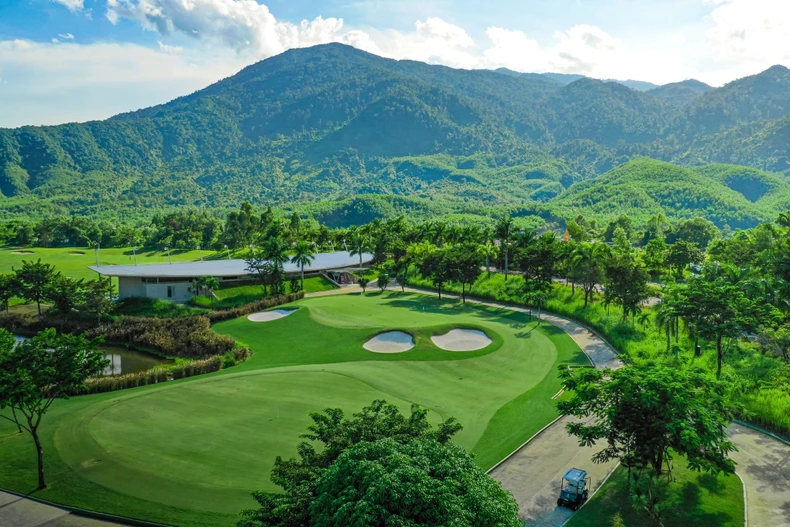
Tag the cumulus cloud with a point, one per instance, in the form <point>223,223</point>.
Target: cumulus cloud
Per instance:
<point>71,5</point>
<point>433,40</point>
<point>244,25</point>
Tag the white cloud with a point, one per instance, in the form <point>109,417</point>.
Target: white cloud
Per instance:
<point>756,31</point>
<point>55,83</point>
<point>66,36</point>
<point>433,41</point>
<point>71,5</point>
<point>515,51</point>
<point>244,25</point>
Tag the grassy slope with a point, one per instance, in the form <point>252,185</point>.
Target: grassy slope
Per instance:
<point>203,444</point>
<point>694,499</point>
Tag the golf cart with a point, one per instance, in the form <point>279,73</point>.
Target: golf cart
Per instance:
<point>574,489</point>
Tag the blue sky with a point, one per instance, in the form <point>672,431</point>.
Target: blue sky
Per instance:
<point>76,60</point>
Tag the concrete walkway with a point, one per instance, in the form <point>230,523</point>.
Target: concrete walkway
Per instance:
<point>533,472</point>
<point>21,512</point>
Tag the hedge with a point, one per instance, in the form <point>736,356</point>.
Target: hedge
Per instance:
<point>259,305</point>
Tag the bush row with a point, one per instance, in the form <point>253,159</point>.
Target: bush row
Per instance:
<point>167,373</point>
<point>260,305</point>
<point>188,337</point>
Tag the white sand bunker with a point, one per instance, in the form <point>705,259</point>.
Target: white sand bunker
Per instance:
<point>462,340</point>
<point>21,252</point>
<point>268,316</point>
<point>390,342</point>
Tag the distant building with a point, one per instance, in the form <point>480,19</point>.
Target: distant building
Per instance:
<point>174,281</point>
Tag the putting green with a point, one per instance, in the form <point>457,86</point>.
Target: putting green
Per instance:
<point>203,444</point>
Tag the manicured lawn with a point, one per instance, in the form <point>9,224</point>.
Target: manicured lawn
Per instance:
<point>189,452</point>
<point>694,499</point>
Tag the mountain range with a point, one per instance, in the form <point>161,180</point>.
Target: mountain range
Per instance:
<point>341,134</point>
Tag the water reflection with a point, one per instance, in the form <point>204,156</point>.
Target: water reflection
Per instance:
<point>123,360</point>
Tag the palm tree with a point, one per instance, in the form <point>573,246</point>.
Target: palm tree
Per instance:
<point>643,319</point>
<point>360,244</point>
<point>504,231</point>
<point>303,255</point>
<point>665,320</point>
<point>489,251</point>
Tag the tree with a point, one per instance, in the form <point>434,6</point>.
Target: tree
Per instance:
<point>437,268</point>
<point>328,437</point>
<point>626,283</point>
<point>98,298</point>
<point>588,267</point>
<point>682,254</point>
<point>464,261</point>
<point>383,280</point>
<point>360,244</point>
<point>504,232</point>
<point>294,286</point>
<point>260,267</point>
<point>697,231</point>
<point>363,283</point>
<point>654,256</point>
<point>205,285</point>
<point>489,251</point>
<point>717,309</point>
<point>8,290</point>
<point>65,294</point>
<point>44,368</point>
<point>403,279</point>
<point>303,255</point>
<point>537,264</point>
<point>32,280</point>
<point>422,482</point>
<point>641,414</point>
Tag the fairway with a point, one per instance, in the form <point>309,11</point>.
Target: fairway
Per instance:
<point>203,444</point>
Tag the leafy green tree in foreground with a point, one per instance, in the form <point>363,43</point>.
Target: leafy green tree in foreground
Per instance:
<point>33,279</point>
<point>47,367</point>
<point>464,260</point>
<point>7,290</point>
<point>383,280</point>
<point>363,283</point>
<point>98,298</point>
<point>422,482</point>
<point>65,294</point>
<point>330,435</point>
<point>643,414</point>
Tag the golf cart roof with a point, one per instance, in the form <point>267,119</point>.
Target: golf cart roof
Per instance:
<point>575,475</point>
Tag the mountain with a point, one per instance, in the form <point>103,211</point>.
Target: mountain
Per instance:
<point>567,78</point>
<point>317,127</point>
<point>679,94</point>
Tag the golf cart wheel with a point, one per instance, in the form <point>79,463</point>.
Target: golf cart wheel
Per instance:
<point>559,502</point>
<point>574,507</point>
<point>585,495</point>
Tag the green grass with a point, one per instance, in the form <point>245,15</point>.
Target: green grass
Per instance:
<point>694,499</point>
<point>189,452</point>
<point>238,295</point>
<point>149,307</point>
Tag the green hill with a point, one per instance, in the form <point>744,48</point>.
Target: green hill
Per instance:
<point>737,197</point>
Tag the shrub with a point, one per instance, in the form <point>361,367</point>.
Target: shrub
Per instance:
<point>153,376</point>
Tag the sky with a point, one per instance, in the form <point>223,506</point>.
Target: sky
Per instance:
<point>79,60</point>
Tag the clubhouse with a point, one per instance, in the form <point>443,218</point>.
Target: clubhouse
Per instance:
<point>174,281</point>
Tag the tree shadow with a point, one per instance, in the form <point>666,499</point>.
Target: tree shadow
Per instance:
<point>689,510</point>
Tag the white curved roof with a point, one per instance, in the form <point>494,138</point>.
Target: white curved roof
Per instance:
<point>221,268</point>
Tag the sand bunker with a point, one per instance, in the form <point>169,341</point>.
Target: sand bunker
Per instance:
<point>462,340</point>
<point>390,342</point>
<point>77,254</point>
<point>21,252</point>
<point>268,316</point>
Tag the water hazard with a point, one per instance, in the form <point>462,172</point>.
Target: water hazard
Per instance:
<point>123,360</point>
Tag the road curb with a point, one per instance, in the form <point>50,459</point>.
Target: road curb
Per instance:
<point>603,482</point>
<point>762,431</point>
<point>745,502</point>
<point>76,511</point>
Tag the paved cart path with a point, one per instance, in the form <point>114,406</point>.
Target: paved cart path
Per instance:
<point>20,512</point>
<point>534,471</point>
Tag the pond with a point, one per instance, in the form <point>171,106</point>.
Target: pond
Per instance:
<point>123,360</point>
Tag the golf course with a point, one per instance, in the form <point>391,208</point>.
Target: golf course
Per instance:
<point>191,451</point>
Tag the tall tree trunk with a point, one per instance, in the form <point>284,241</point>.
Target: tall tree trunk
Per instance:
<point>677,329</point>
<point>488,267</point>
<point>302,277</point>
<point>38,303</point>
<point>669,332</point>
<point>573,289</point>
<point>439,287</point>
<point>40,451</point>
<point>697,350</point>
<point>463,293</point>
<point>720,356</point>
<point>506,266</point>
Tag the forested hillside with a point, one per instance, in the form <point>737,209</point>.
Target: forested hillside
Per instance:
<point>314,128</point>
